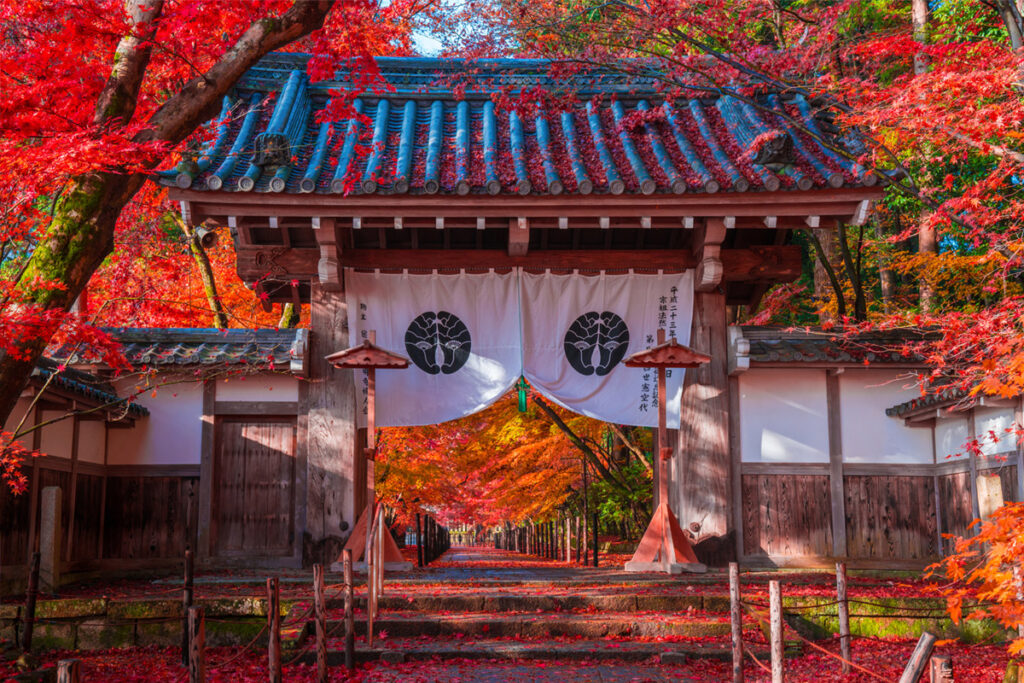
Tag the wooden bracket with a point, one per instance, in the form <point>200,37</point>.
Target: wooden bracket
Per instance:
<point>708,248</point>
<point>518,236</point>
<point>328,267</point>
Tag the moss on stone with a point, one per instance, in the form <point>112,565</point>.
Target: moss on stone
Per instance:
<point>145,609</point>
<point>60,636</point>
<point>71,608</point>
<point>100,634</point>
<point>240,632</point>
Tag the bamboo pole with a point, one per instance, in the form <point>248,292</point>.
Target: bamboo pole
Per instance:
<point>775,610</point>
<point>320,607</point>
<point>736,617</point>
<point>844,616</point>
<point>350,613</point>
<point>196,645</point>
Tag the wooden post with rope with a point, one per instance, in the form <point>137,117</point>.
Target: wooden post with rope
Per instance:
<point>30,602</point>
<point>320,615</point>
<point>350,611</point>
<point>186,602</point>
<point>68,671</point>
<point>919,658</point>
<point>196,645</point>
<point>274,629</point>
<point>736,619</point>
<point>844,616</point>
<point>777,645</point>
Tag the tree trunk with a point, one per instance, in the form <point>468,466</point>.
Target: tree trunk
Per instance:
<point>290,315</point>
<point>81,232</point>
<point>853,272</point>
<point>887,279</point>
<point>79,237</point>
<point>824,242</point>
<point>202,259</point>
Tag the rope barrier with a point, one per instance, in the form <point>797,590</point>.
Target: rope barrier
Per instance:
<point>758,615</point>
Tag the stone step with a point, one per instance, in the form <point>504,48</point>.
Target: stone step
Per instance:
<point>510,602</point>
<point>547,625</point>
<point>395,650</point>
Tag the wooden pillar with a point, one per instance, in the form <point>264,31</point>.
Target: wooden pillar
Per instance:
<point>972,460</point>
<point>49,539</point>
<point>206,455</point>
<point>331,434</point>
<point>837,486</point>
<point>73,484</point>
<point>1018,416</point>
<point>703,463</point>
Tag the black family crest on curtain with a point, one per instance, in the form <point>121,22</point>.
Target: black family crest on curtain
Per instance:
<point>596,342</point>
<point>438,343</point>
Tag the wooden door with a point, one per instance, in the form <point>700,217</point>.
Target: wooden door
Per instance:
<point>253,487</point>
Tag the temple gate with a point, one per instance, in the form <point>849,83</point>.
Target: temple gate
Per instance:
<point>446,174</point>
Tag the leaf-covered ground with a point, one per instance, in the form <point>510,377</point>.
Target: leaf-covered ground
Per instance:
<point>979,664</point>
<point>496,616</point>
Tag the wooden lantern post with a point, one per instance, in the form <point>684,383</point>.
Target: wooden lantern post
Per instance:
<point>370,357</point>
<point>664,547</point>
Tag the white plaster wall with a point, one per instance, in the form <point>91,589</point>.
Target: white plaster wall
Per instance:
<point>171,435</point>
<point>950,436</point>
<point>783,416</point>
<point>871,436</point>
<point>90,441</point>
<point>996,420</point>
<point>56,438</point>
<point>261,387</point>
<point>15,417</point>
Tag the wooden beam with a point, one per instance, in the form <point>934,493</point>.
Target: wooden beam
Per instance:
<point>756,264</point>
<point>839,202</point>
<point>707,241</point>
<point>518,236</point>
<point>255,408</point>
<point>327,268</point>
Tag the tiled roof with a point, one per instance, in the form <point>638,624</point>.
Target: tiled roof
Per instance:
<point>83,384</point>
<point>779,345</point>
<point>198,346</point>
<point>441,131</point>
<point>937,399</point>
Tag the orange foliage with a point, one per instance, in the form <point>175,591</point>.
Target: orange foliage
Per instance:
<point>496,465</point>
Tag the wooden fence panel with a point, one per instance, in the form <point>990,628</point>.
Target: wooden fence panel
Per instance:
<point>787,515</point>
<point>955,503</point>
<point>150,517</point>
<point>890,518</point>
<point>88,504</point>
<point>14,520</point>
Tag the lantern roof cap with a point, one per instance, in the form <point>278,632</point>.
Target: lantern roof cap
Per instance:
<point>367,355</point>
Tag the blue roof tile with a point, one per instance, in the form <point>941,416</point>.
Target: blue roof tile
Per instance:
<point>438,130</point>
